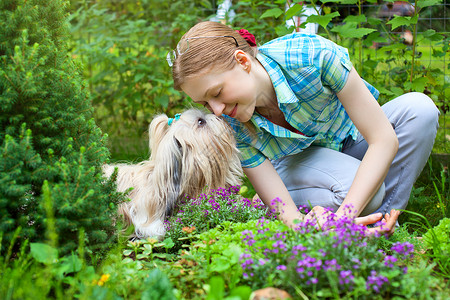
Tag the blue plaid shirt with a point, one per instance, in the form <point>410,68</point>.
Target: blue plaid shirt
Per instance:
<point>306,71</point>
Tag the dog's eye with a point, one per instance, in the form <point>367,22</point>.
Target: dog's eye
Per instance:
<point>201,122</point>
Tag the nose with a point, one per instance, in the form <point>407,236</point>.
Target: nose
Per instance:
<point>217,107</point>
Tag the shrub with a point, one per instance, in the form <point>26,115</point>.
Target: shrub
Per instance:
<point>47,133</point>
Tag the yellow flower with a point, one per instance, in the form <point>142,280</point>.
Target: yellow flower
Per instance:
<point>104,278</point>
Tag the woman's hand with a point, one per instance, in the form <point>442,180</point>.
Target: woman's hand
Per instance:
<point>319,214</point>
<point>387,222</point>
<point>387,225</point>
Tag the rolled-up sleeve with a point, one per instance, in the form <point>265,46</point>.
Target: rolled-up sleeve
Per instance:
<point>335,66</point>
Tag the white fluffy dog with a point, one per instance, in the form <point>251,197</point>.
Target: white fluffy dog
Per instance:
<point>189,153</point>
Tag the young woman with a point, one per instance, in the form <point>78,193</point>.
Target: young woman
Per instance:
<point>309,129</point>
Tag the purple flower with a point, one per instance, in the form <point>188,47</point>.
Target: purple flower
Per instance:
<point>297,249</point>
<point>279,245</point>
<point>247,261</point>
<point>275,201</point>
<point>262,262</point>
<point>357,263</point>
<point>281,267</point>
<point>214,205</point>
<point>345,277</point>
<point>376,282</point>
<point>389,261</point>
<point>248,237</point>
<point>331,265</point>
<point>405,249</point>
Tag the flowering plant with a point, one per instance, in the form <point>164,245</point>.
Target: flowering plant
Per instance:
<point>334,260</point>
<point>209,210</point>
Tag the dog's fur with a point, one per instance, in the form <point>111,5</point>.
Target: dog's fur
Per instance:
<point>195,152</point>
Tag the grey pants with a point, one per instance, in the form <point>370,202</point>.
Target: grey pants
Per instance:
<point>321,176</point>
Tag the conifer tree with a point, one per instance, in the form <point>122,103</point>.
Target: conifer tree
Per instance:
<point>47,132</point>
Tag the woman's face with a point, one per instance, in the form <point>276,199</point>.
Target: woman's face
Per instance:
<point>232,92</point>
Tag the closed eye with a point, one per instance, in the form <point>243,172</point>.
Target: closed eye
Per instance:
<point>206,105</point>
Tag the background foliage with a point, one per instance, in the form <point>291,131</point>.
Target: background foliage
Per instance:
<point>123,45</point>
<point>51,149</point>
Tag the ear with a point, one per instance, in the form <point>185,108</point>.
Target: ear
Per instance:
<point>243,60</point>
<point>157,130</point>
<point>168,175</point>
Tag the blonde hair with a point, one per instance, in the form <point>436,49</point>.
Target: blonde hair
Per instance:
<point>205,54</point>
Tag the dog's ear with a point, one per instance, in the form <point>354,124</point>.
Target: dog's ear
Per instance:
<point>157,129</point>
<point>167,174</point>
<point>174,183</point>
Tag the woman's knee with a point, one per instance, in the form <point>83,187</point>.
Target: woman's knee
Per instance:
<point>423,108</point>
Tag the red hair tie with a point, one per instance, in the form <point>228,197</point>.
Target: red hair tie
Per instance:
<point>250,38</point>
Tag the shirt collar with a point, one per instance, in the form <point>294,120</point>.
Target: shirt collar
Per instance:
<point>282,89</point>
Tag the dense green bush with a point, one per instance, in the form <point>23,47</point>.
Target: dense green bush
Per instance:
<point>47,134</point>
<point>123,45</point>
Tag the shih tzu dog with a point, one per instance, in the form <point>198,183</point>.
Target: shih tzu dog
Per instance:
<point>189,153</point>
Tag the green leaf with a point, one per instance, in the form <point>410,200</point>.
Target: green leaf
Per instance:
<point>273,12</point>
<point>432,35</point>
<point>220,264</point>
<point>69,264</point>
<point>127,252</point>
<point>243,292</point>
<point>216,288</point>
<point>425,3</point>
<point>233,252</point>
<point>373,21</point>
<point>419,84</point>
<point>282,30</point>
<point>384,91</point>
<point>141,256</point>
<point>322,20</point>
<point>374,37</point>
<point>397,91</point>
<point>355,19</point>
<point>349,30</point>
<point>138,77</point>
<point>294,10</point>
<point>168,243</point>
<point>44,253</point>
<point>391,47</point>
<point>398,21</point>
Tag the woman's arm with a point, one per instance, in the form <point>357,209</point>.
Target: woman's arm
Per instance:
<point>268,185</point>
<point>372,123</point>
